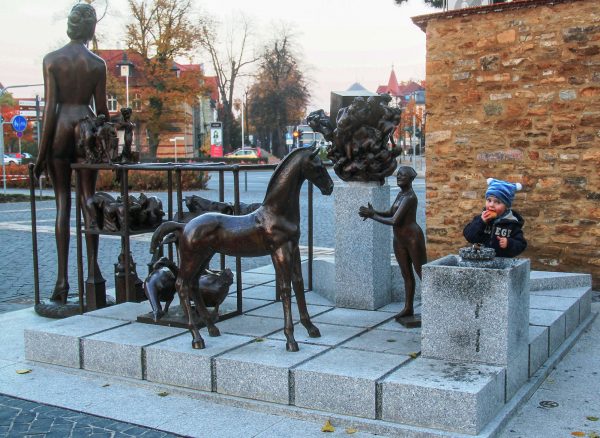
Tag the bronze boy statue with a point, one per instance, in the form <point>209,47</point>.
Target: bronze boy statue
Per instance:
<point>409,241</point>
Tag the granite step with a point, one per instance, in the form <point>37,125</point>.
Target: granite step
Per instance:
<point>547,280</point>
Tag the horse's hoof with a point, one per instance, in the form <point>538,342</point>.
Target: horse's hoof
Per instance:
<point>292,346</point>
<point>314,332</point>
<point>403,313</point>
<point>214,331</point>
<point>198,345</point>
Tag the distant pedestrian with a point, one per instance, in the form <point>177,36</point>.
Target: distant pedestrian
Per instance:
<point>498,226</point>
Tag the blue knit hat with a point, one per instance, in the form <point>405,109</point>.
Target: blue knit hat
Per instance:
<point>504,191</point>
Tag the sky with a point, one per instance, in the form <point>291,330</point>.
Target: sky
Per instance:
<point>340,41</point>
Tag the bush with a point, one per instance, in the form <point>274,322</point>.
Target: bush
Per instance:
<point>17,176</point>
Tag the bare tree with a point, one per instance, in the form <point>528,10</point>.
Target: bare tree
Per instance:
<point>229,61</point>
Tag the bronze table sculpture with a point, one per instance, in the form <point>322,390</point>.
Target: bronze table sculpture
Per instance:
<point>273,229</point>
<point>73,76</point>
<point>409,241</point>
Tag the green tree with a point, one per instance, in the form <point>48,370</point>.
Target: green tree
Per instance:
<point>162,30</point>
<point>279,95</point>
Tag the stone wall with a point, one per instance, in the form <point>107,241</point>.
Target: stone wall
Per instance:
<point>513,92</point>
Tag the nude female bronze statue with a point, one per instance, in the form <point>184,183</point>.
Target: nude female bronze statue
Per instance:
<point>409,241</point>
<point>273,229</point>
<point>73,78</point>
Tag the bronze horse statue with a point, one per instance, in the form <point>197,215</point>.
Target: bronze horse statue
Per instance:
<point>273,229</point>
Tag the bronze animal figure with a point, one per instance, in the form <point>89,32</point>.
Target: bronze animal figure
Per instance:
<point>273,229</point>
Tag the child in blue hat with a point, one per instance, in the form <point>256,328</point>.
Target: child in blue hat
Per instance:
<point>498,226</point>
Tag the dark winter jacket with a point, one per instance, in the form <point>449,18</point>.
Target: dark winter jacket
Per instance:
<point>509,225</point>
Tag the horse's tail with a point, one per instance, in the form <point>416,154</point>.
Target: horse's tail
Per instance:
<point>167,232</point>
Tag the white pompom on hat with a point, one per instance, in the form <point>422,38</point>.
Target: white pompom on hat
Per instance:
<point>503,190</point>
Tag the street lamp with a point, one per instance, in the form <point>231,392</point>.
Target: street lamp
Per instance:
<point>125,67</point>
<point>174,140</point>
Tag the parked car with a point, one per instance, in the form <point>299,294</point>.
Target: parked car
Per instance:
<point>243,154</point>
<point>10,159</point>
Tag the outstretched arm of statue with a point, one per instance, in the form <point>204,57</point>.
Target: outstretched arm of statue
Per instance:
<point>48,119</point>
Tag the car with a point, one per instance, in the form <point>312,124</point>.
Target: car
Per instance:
<point>11,159</point>
<point>243,154</point>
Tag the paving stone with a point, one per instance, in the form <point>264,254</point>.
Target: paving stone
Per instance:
<point>456,397</point>
<point>568,305</point>
<point>229,304</point>
<point>266,269</point>
<point>343,381</point>
<point>275,310</point>
<point>262,292</point>
<point>395,326</point>
<point>353,317</point>
<point>175,362</point>
<point>253,279</point>
<point>58,341</point>
<point>538,347</point>
<point>555,321</point>
<point>330,334</point>
<point>119,351</point>
<point>314,298</point>
<point>124,311</point>
<point>261,370</point>
<point>386,341</point>
<point>250,325</point>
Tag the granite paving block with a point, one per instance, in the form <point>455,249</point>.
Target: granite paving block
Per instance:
<point>538,347</point>
<point>584,294</point>
<point>260,370</point>
<point>229,304</point>
<point>124,311</point>
<point>323,276</point>
<point>330,334</point>
<point>568,305</point>
<point>275,310</point>
<point>119,351</point>
<point>395,326</point>
<point>266,269</point>
<point>558,280</point>
<point>386,341</point>
<point>585,305</point>
<point>253,279</point>
<point>362,248</point>
<point>262,292</point>
<point>250,325</point>
<point>555,321</point>
<point>314,298</point>
<point>58,341</point>
<point>398,306</point>
<point>456,397</point>
<point>353,317</point>
<point>175,362</point>
<point>397,282</point>
<point>343,381</point>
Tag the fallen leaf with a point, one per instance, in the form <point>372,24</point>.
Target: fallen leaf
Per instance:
<point>578,433</point>
<point>593,435</point>
<point>259,340</point>
<point>592,418</point>
<point>390,340</point>
<point>24,371</point>
<point>351,430</point>
<point>328,427</point>
<point>105,385</point>
<point>413,355</point>
<point>163,394</point>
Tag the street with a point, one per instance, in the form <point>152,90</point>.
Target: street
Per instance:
<point>17,289</point>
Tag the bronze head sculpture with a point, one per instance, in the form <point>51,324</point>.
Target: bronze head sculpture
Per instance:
<point>73,78</point>
<point>359,148</point>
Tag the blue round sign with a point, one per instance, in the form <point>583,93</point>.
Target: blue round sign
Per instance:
<point>19,123</point>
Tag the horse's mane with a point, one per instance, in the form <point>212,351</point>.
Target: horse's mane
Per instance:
<point>283,163</point>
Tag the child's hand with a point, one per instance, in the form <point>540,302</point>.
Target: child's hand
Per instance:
<point>366,212</point>
<point>488,215</point>
<point>502,241</point>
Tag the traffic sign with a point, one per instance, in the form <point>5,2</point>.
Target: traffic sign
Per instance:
<point>19,134</point>
<point>19,123</point>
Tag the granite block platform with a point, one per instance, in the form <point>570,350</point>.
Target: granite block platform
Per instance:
<point>365,367</point>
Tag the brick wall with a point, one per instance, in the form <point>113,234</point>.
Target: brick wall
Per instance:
<point>514,93</point>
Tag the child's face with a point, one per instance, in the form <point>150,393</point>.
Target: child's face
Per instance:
<point>403,178</point>
<point>494,204</point>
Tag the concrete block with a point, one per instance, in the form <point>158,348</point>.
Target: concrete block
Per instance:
<point>456,397</point>
<point>275,310</point>
<point>331,335</point>
<point>58,341</point>
<point>323,276</point>
<point>555,321</point>
<point>538,347</point>
<point>260,370</point>
<point>568,305</point>
<point>362,248</point>
<point>585,305</point>
<point>175,362</point>
<point>250,325</point>
<point>119,351</point>
<point>124,311</point>
<point>583,294</point>
<point>385,341</point>
<point>353,317</point>
<point>545,280</point>
<point>343,381</point>
<point>478,315</point>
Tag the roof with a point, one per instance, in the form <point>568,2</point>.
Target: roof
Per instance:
<point>422,20</point>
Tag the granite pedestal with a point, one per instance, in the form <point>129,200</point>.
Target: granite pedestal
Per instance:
<point>478,315</point>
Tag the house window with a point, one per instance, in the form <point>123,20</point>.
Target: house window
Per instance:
<point>136,105</point>
<point>112,103</point>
